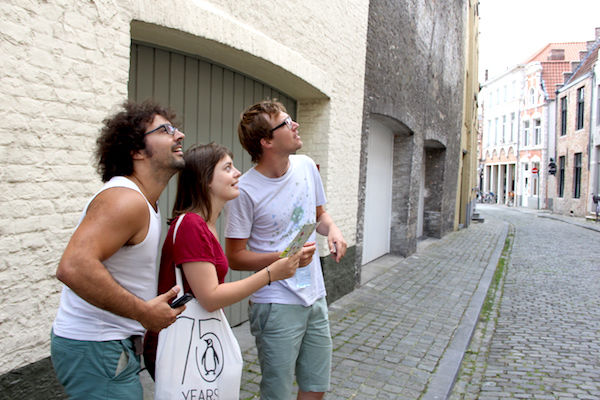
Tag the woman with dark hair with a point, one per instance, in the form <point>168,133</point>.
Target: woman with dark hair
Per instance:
<point>207,182</point>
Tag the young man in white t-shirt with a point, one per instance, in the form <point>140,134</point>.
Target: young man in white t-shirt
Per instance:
<point>279,195</point>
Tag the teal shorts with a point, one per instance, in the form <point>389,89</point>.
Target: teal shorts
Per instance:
<point>97,370</point>
<point>292,339</point>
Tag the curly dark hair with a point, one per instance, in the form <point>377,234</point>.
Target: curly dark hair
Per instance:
<point>254,126</point>
<point>123,134</point>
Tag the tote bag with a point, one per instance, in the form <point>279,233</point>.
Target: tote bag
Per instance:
<point>198,356</point>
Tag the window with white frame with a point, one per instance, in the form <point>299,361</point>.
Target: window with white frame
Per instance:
<point>525,133</point>
<point>534,178</point>
<point>496,131</point>
<point>563,116</point>
<point>577,176</point>
<point>561,176</point>
<point>531,96</point>
<point>537,131</point>
<point>580,105</point>
<point>503,138</point>
<point>598,106</point>
<point>512,127</point>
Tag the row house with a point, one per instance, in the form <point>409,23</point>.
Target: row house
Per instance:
<point>517,118</point>
<point>500,113</point>
<point>577,151</point>
<point>543,75</point>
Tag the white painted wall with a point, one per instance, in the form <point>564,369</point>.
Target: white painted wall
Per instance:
<point>65,67</point>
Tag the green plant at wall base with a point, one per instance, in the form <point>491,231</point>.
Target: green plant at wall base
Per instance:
<point>489,299</point>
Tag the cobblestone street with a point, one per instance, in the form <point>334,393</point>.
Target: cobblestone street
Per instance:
<point>421,327</point>
<point>542,337</point>
<point>402,334</point>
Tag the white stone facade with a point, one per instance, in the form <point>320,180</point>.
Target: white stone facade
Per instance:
<point>65,67</point>
<point>501,99</point>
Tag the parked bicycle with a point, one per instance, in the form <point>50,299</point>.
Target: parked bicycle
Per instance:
<point>489,197</point>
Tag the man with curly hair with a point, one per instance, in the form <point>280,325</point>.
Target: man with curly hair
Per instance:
<point>109,265</point>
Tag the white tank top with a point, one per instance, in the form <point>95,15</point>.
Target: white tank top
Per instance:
<point>133,267</point>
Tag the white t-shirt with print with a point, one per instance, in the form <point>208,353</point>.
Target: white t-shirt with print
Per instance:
<point>269,212</point>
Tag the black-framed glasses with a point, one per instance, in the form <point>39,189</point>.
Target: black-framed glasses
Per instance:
<point>288,121</point>
<point>170,129</point>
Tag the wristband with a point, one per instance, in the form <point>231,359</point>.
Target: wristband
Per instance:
<point>269,273</point>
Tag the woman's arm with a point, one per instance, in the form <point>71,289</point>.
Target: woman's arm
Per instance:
<point>202,277</point>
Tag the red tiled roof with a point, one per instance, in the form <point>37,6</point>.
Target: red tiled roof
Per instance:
<point>552,75</point>
<point>571,49</point>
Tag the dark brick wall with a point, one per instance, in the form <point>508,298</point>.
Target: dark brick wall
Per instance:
<point>35,381</point>
<point>340,278</point>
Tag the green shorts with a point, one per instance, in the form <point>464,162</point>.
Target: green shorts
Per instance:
<point>292,339</point>
<point>97,370</point>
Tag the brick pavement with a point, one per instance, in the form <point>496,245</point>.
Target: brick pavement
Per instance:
<point>402,334</point>
<point>542,339</point>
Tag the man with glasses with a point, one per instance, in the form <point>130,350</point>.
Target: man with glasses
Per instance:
<point>109,265</point>
<point>278,196</point>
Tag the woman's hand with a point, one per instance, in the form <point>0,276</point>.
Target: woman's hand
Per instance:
<point>306,253</point>
<point>284,268</point>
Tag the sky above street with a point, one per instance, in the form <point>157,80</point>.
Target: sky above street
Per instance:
<point>510,31</point>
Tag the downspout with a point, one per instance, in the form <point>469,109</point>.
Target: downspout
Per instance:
<point>518,166</point>
<point>555,143</point>
<point>590,137</point>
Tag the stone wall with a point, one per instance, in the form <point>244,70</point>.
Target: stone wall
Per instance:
<point>414,78</point>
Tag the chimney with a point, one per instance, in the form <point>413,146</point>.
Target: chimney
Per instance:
<point>574,65</point>
<point>589,45</point>
<point>597,33</point>
<point>486,74</point>
<point>556,54</point>
<point>566,76</point>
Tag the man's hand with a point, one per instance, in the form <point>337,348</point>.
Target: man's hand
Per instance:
<point>159,314</point>
<point>306,253</point>
<point>336,242</point>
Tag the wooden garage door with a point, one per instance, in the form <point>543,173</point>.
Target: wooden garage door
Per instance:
<point>208,100</point>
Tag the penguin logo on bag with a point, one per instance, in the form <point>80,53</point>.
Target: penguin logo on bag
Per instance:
<point>207,351</point>
<point>209,357</point>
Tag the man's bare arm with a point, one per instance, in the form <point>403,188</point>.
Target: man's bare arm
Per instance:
<point>115,218</point>
<point>242,259</point>
<point>335,240</point>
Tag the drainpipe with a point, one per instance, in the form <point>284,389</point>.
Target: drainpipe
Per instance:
<point>518,166</point>
<point>590,136</point>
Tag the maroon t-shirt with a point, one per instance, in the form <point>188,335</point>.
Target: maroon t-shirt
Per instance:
<point>194,242</point>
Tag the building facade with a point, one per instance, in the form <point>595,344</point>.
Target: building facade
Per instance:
<point>577,148</point>
<point>352,73</point>
<point>69,64</point>
<point>468,184</point>
<point>518,127</point>
<point>412,119</point>
<point>501,107</point>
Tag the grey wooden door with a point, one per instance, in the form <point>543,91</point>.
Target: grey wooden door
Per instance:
<point>208,99</point>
